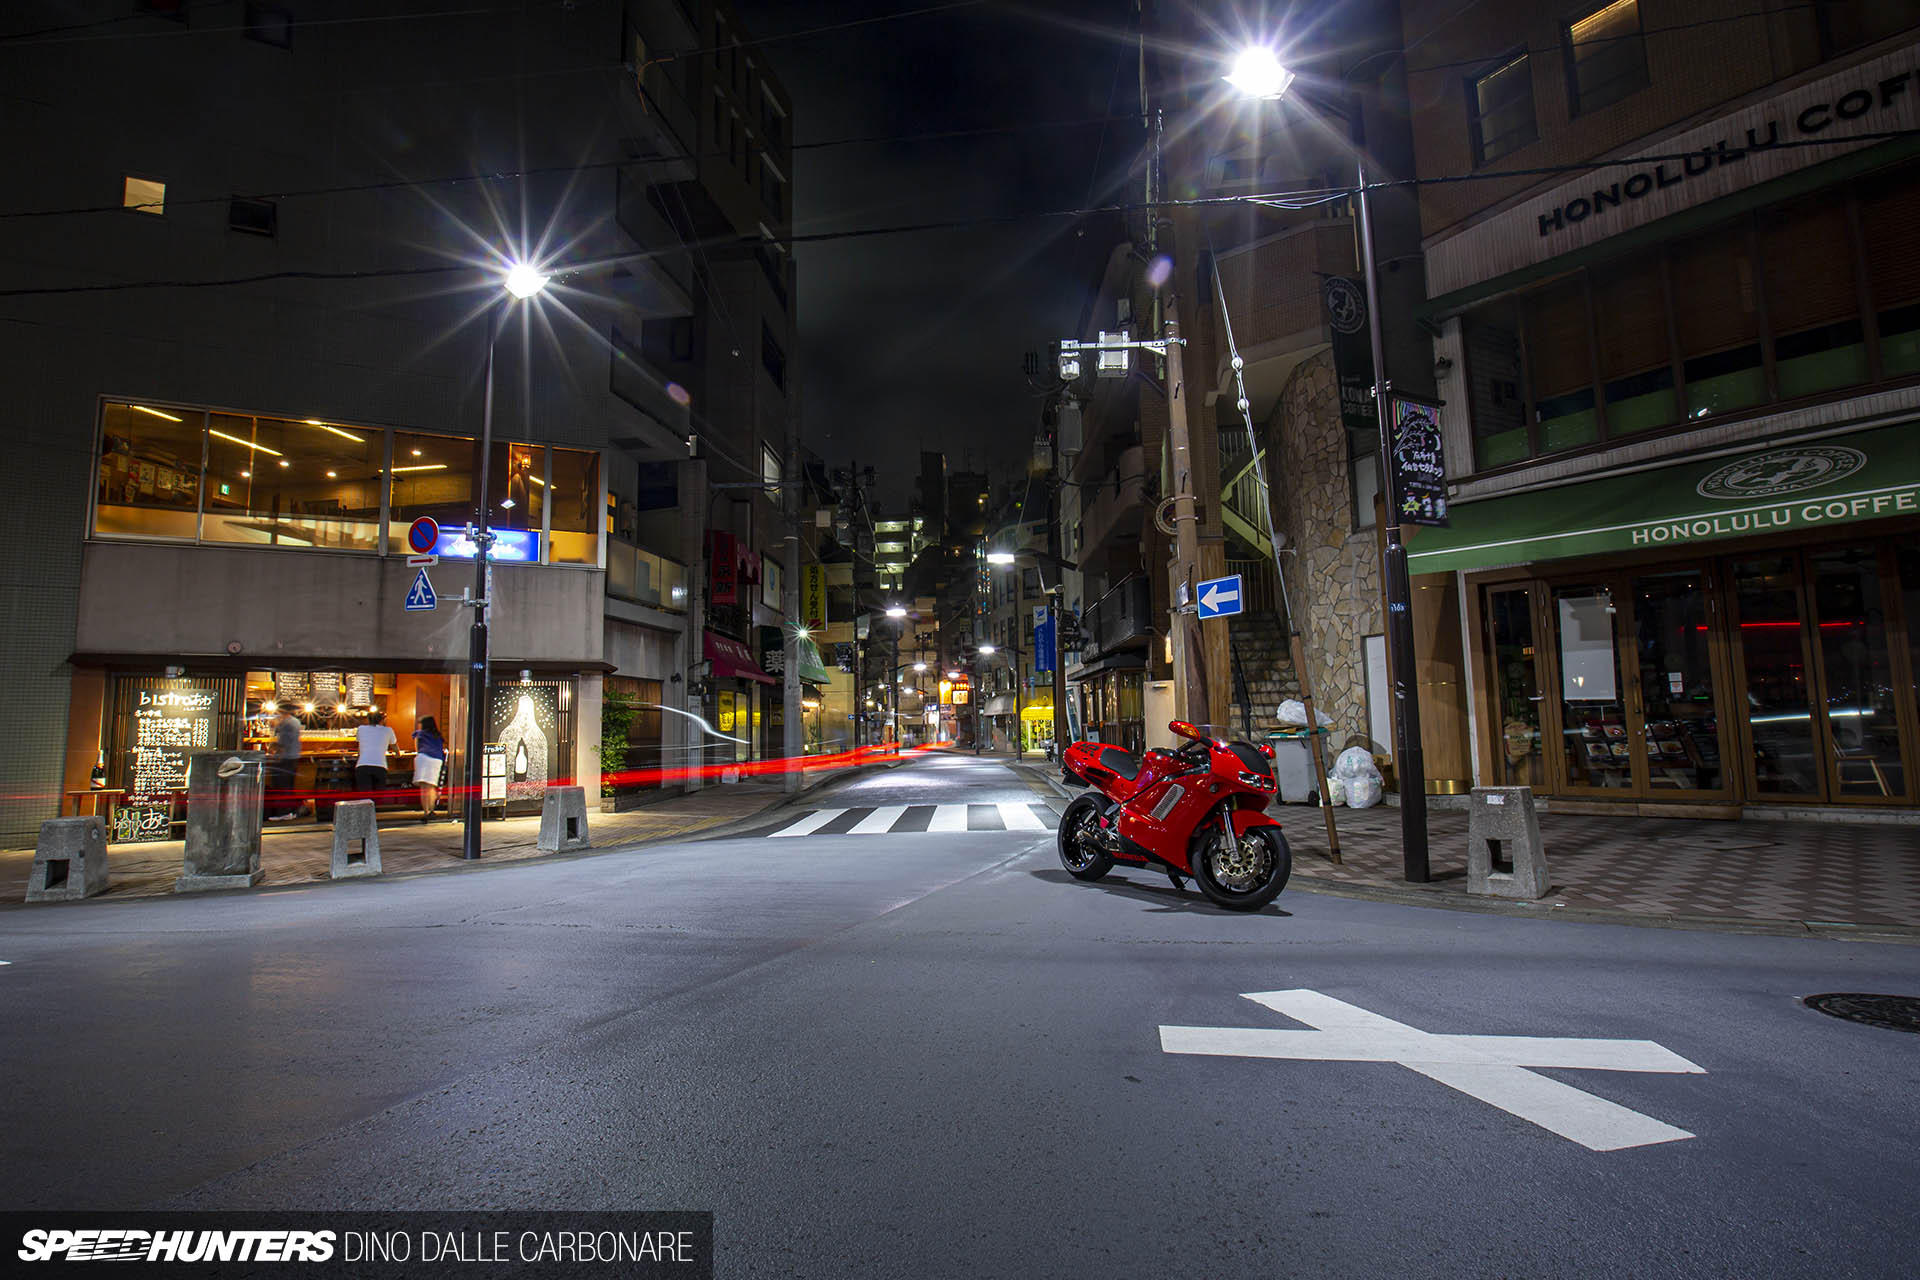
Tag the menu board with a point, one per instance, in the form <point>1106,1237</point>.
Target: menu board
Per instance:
<point>168,725</point>
<point>290,688</point>
<point>360,689</point>
<point>133,823</point>
<point>326,692</point>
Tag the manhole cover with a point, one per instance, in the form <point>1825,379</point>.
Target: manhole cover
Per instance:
<point>1894,1013</point>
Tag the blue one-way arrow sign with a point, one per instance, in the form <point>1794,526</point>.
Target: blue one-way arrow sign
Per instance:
<point>421,597</point>
<point>1220,597</point>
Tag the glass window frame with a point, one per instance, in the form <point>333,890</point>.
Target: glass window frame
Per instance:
<point>1619,86</point>
<point>1476,117</point>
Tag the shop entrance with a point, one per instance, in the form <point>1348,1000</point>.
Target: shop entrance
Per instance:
<point>1780,674</point>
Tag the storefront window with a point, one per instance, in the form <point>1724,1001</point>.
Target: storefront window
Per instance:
<point>1560,363</point>
<point>1813,302</point>
<point>1862,715</point>
<point>277,482</point>
<point>1677,696</point>
<point>1520,761</point>
<point>432,476</point>
<point>575,495</point>
<point>1772,646</point>
<point>149,478</point>
<point>1593,712</point>
<point>517,487</point>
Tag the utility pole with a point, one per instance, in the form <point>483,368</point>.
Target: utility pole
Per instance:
<point>793,731</point>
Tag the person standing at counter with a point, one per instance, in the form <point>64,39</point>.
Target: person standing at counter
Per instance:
<point>284,765</point>
<point>375,739</point>
<point>429,758</point>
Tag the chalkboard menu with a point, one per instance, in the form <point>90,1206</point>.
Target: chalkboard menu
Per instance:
<point>1419,465</point>
<point>360,689</point>
<point>168,724</point>
<point>290,688</point>
<point>326,692</point>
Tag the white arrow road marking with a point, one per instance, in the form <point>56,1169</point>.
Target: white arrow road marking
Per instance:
<point>1490,1068</point>
<point>809,824</point>
<point>879,822</point>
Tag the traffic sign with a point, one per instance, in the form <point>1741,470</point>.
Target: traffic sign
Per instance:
<point>417,561</point>
<point>422,535</point>
<point>1220,597</point>
<point>421,597</point>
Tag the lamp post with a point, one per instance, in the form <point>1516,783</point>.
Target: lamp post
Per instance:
<point>521,282</point>
<point>1258,73</point>
<point>1057,599</point>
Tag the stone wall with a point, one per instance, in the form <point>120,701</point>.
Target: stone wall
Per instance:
<point>1333,571</point>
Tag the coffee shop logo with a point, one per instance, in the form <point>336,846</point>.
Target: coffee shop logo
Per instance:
<point>1346,305</point>
<point>1783,471</point>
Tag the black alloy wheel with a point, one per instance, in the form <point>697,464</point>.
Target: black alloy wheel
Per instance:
<point>1079,842</point>
<point>1243,873</point>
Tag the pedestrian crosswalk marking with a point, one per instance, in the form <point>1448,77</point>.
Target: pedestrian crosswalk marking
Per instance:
<point>899,819</point>
<point>879,822</point>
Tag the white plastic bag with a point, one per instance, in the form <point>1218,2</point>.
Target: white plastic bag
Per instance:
<point>1336,790</point>
<point>1294,712</point>
<point>1363,792</point>
<point>1354,762</point>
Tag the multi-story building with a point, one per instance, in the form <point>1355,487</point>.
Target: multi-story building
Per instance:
<point>232,403</point>
<point>1682,377</point>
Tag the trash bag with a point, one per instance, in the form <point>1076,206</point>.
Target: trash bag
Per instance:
<point>1294,712</point>
<point>1353,762</point>
<point>1363,792</point>
<point>1336,790</point>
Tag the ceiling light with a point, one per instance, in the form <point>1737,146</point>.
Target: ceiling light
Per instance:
<point>156,413</point>
<point>244,444</point>
<point>416,453</point>
<point>246,475</point>
<point>285,463</point>
<point>333,475</point>
<point>429,466</point>
<point>345,435</point>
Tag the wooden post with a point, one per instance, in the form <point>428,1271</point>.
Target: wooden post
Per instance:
<point>1313,739</point>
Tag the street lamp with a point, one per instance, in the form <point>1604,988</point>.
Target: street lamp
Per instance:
<point>521,282</point>
<point>1258,73</point>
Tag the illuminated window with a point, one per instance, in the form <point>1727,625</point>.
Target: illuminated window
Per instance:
<point>1500,108</point>
<point>289,483</point>
<point>574,498</point>
<point>144,195</point>
<point>432,476</point>
<point>149,479</point>
<point>1606,56</point>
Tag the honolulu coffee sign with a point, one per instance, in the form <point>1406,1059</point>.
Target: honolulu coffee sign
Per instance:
<point>1753,145</point>
<point>1805,489</point>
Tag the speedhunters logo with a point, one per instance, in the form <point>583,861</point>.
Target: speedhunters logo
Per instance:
<point>364,1245</point>
<point>97,1244</point>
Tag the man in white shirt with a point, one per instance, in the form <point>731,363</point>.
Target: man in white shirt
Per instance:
<point>376,739</point>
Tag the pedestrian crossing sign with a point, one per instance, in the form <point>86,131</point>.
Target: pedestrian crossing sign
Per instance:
<point>421,597</point>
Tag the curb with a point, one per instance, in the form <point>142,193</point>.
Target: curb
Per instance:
<point>1443,900</point>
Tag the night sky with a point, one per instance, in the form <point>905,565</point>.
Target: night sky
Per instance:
<point>915,341</point>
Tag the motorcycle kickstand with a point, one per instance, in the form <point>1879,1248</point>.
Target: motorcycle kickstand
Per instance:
<point>1179,885</point>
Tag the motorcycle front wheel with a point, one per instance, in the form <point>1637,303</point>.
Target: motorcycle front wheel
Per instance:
<point>1080,853</point>
<point>1244,873</point>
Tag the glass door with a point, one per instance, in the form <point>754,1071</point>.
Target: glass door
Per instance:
<point>1785,760</point>
<point>1860,692</point>
<point>1677,739</point>
<point>1595,736</point>
<point>1519,760</point>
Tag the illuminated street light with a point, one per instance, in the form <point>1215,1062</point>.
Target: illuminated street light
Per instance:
<point>988,650</point>
<point>999,557</point>
<point>896,611</point>
<point>523,281</point>
<point>1257,73</point>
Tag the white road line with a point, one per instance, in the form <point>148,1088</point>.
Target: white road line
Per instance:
<point>1019,817</point>
<point>1488,1068</point>
<point>879,822</point>
<point>809,824</point>
<point>949,817</point>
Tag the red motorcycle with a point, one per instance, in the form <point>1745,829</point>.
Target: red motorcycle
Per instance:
<point>1199,811</point>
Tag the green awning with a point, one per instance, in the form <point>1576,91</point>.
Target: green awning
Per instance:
<point>812,669</point>
<point>1771,488</point>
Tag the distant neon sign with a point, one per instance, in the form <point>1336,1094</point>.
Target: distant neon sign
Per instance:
<point>510,546</point>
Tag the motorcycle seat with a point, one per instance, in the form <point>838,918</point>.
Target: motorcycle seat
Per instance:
<point>1118,760</point>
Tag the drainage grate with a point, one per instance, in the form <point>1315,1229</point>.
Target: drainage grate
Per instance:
<point>1893,1013</point>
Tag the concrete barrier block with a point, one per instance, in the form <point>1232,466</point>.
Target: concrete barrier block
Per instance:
<point>563,820</point>
<point>70,862</point>
<point>1505,856</point>
<point>356,840</point>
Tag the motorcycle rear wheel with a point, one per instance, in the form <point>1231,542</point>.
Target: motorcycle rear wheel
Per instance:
<point>1244,874</point>
<point>1079,854</point>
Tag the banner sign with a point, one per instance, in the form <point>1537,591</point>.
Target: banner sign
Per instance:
<point>1418,466</point>
<point>1346,305</point>
<point>813,597</point>
<point>723,565</point>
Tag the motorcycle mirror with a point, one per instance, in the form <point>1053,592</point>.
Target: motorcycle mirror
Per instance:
<point>1185,730</point>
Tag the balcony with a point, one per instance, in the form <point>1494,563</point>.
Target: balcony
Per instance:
<point>638,575</point>
<point>1120,620</point>
<point>1111,506</point>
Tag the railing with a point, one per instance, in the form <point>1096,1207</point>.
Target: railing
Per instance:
<point>1259,592</point>
<point>636,574</point>
<point>1242,506</point>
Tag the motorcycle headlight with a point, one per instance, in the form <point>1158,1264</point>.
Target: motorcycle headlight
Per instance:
<point>1258,780</point>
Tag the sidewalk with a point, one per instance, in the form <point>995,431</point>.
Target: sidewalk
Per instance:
<point>1826,878</point>
<point>302,852</point>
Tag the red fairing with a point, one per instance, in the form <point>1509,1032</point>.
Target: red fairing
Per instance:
<point>1170,793</point>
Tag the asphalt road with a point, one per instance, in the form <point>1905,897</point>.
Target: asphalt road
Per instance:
<point>927,1053</point>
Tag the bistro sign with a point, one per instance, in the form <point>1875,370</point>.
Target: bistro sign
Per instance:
<point>1805,126</point>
